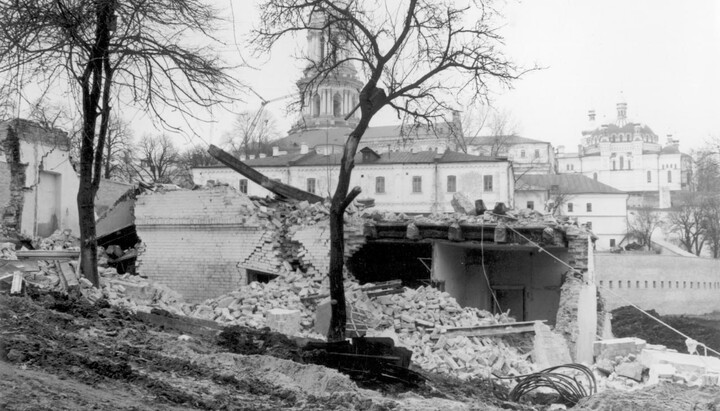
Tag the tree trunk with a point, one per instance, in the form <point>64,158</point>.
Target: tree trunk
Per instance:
<point>340,201</point>
<point>88,240</point>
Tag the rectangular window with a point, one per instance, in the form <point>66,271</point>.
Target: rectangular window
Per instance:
<point>669,176</point>
<point>628,285</point>
<point>654,284</point>
<point>311,185</point>
<point>570,207</point>
<point>637,284</point>
<point>612,242</point>
<point>537,153</point>
<point>588,207</point>
<point>531,205</point>
<point>619,284</point>
<point>243,185</point>
<point>417,184</point>
<point>451,181</point>
<point>487,183</point>
<point>610,284</point>
<point>646,284</point>
<point>380,185</point>
<point>522,153</point>
<point>649,176</point>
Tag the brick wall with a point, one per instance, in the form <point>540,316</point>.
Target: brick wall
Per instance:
<point>668,284</point>
<point>201,243</point>
<point>194,240</point>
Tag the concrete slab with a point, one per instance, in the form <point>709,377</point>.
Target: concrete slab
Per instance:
<point>617,347</point>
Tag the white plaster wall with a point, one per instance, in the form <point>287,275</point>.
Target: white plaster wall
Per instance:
<point>398,194</point>
<point>55,161</point>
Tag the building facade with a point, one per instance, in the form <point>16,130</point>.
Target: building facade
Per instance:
<point>529,156</point>
<point>38,185</point>
<point>601,208</point>
<point>410,182</point>
<point>628,156</point>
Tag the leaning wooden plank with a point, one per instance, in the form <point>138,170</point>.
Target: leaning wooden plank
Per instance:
<point>385,292</point>
<point>17,281</point>
<point>47,254</point>
<point>386,284</point>
<point>257,177</point>
<point>487,330</point>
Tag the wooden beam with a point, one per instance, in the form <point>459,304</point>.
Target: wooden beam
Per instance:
<point>47,254</point>
<point>261,179</point>
<point>487,330</point>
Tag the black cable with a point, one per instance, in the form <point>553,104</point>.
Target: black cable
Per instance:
<point>569,388</point>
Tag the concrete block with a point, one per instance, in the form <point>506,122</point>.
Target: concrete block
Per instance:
<point>633,370</point>
<point>549,349</point>
<point>618,347</point>
<point>284,321</point>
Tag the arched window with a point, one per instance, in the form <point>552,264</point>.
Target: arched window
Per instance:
<point>595,176</point>
<point>669,176</point>
<point>337,105</point>
<point>316,105</point>
<point>649,176</point>
<point>622,163</point>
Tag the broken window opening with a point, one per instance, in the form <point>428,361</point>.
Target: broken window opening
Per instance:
<point>259,276</point>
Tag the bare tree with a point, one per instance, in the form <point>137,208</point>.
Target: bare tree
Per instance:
<point>711,222</point>
<point>687,222</point>
<point>642,225</point>
<point>418,57</point>
<point>156,159</point>
<point>502,129</point>
<point>153,53</point>
<point>251,133</point>
<point>117,149</point>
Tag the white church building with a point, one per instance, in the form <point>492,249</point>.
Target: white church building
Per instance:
<point>628,156</point>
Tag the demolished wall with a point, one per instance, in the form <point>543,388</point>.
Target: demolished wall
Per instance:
<point>12,181</point>
<point>202,243</point>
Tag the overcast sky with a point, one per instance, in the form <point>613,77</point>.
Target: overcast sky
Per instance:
<point>662,57</point>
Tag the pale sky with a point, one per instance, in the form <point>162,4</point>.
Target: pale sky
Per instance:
<point>662,57</point>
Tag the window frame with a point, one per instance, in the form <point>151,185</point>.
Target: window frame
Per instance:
<point>243,187</point>
<point>416,180</point>
<point>488,183</point>
<point>380,185</point>
<point>451,179</point>
<point>311,188</point>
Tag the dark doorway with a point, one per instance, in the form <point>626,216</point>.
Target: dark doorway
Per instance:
<point>512,298</point>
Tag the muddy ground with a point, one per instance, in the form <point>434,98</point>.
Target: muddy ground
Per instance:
<point>629,322</point>
<point>57,354</point>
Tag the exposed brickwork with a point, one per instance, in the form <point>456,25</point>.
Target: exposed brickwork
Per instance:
<point>201,243</point>
<point>12,198</point>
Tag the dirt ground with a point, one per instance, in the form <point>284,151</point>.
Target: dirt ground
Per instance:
<point>57,354</point>
<point>629,322</point>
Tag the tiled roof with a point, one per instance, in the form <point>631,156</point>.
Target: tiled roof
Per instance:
<point>567,183</point>
<point>485,140</point>
<point>338,135</point>
<point>312,158</point>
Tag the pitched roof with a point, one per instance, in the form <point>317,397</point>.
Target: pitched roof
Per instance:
<point>567,183</point>
<point>338,135</point>
<point>485,140</point>
<point>312,158</point>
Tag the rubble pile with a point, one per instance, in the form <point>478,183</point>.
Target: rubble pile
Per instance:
<point>59,240</point>
<point>420,317</point>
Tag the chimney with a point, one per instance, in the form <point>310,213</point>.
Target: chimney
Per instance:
<point>276,151</point>
<point>261,155</point>
<point>591,115</point>
<point>303,148</point>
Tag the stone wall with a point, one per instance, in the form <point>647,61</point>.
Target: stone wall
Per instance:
<point>666,283</point>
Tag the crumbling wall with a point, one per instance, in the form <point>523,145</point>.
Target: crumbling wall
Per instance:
<point>194,240</point>
<point>12,199</point>
<point>574,292</point>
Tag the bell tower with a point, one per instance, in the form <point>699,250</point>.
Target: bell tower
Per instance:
<point>326,102</point>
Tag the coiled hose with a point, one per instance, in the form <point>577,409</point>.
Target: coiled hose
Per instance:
<point>570,389</point>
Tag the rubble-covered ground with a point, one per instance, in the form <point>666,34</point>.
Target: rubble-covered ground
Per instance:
<point>630,322</point>
<point>61,354</point>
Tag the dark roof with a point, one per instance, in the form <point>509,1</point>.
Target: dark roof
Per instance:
<point>484,140</point>
<point>312,158</point>
<point>628,127</point>
<point>567,183</point>
<point>672,149</point>
<point>338,135</point>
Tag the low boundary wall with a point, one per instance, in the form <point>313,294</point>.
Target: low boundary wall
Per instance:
<point>666,283</point>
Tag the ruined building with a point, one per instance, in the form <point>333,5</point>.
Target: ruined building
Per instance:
<point>38,185</point>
